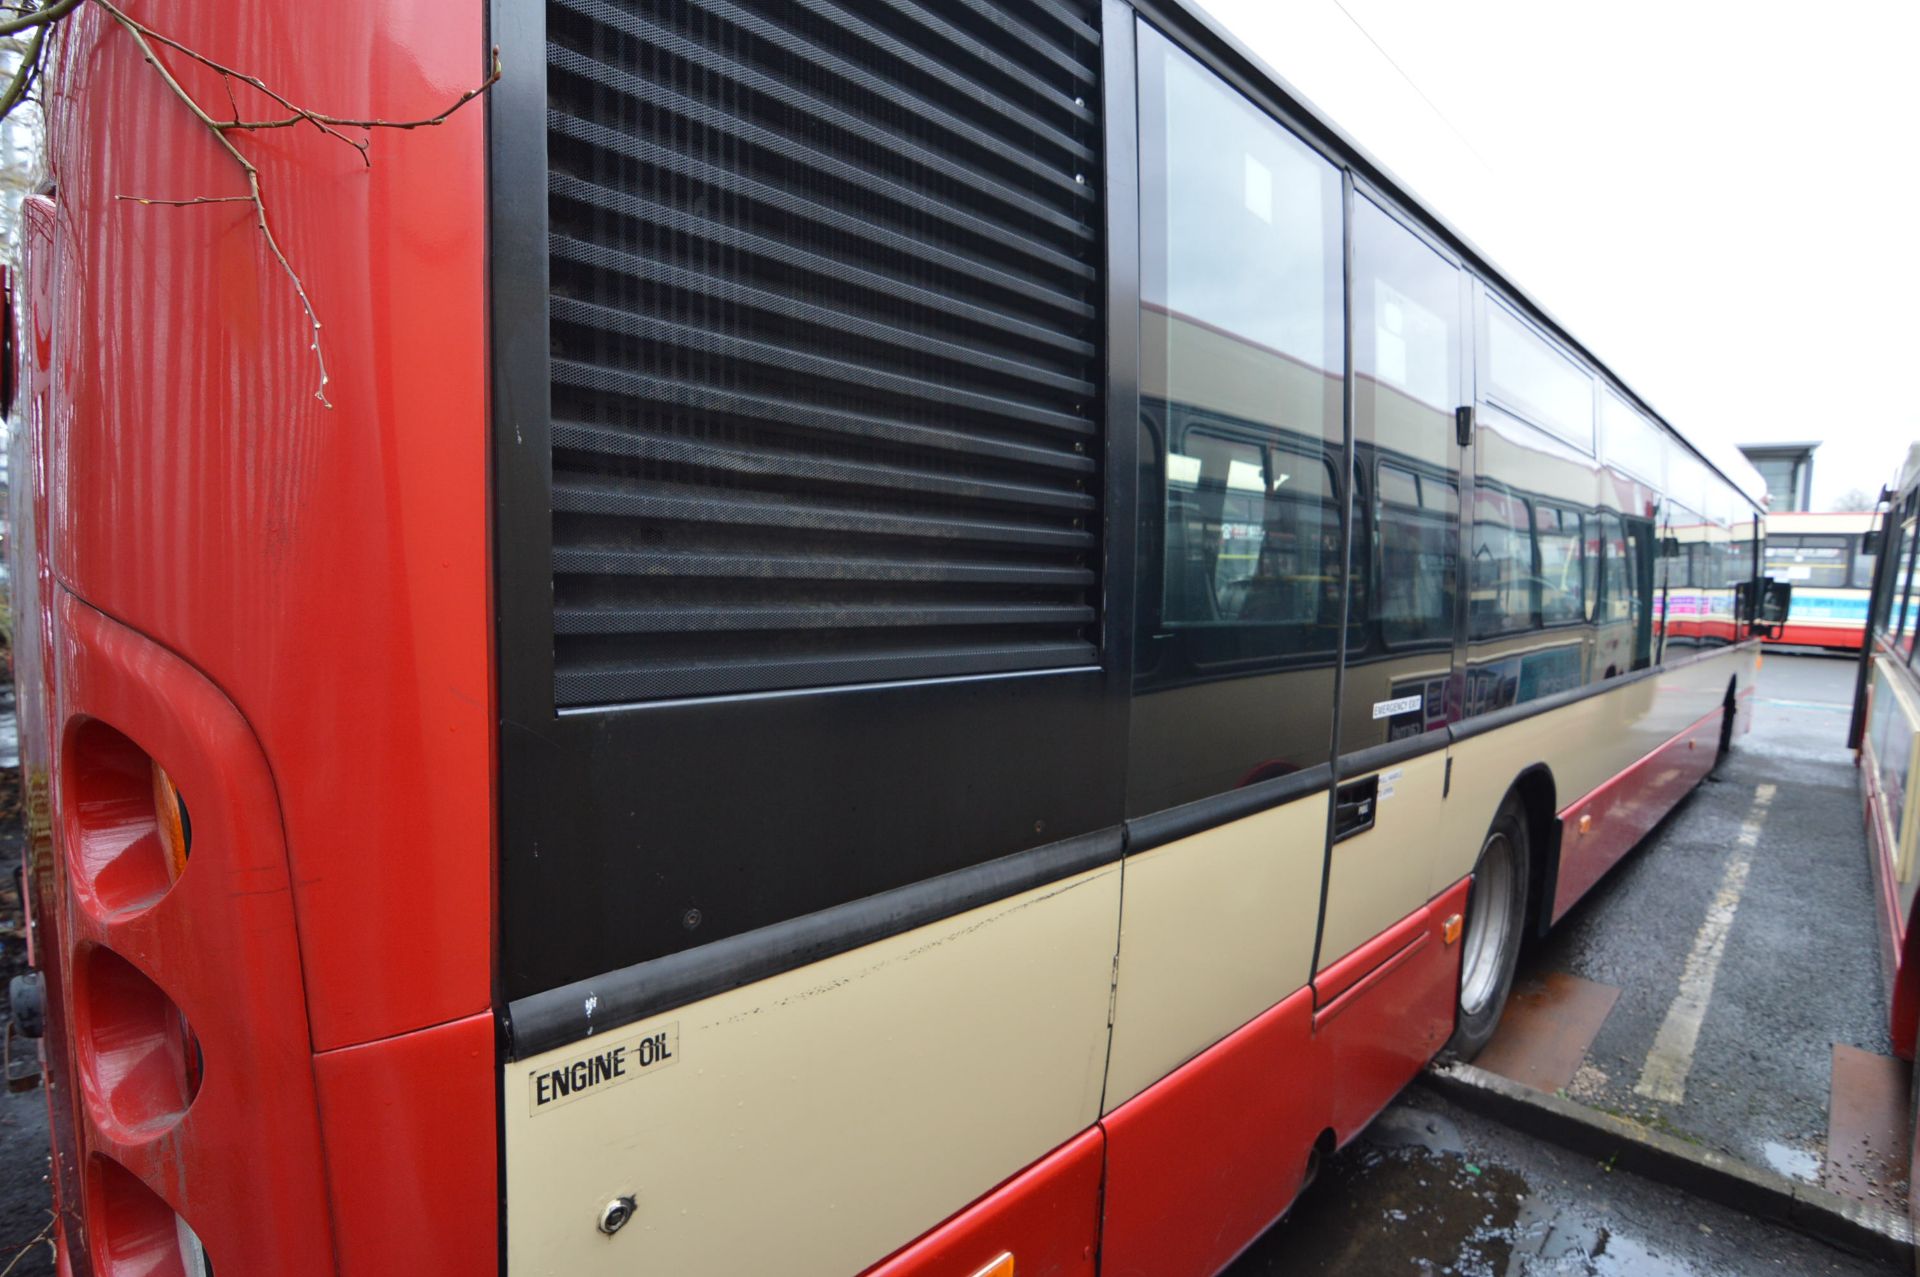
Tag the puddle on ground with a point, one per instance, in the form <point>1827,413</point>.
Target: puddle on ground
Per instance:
<point>1409,1199</point>
<point>1794,1163</point>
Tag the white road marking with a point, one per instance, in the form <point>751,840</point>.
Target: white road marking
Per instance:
<point>1664,1076</point>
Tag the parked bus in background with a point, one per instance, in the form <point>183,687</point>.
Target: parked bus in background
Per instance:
<point>1886,732</point>
<point>1828,559</point>
<point>816,496</point>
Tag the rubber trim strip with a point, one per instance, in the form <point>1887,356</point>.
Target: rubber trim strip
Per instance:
<point>556,1017</point>
<point>1144,833</point>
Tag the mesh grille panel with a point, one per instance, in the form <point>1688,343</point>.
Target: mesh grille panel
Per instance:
<point>825,329</point>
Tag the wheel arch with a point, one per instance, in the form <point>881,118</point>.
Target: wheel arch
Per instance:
<point>1535,791</point>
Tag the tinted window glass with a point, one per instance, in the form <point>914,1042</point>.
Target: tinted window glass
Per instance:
<point>1533,378</point>
<point>1253,543</point>
<point>1818,561</point>
<point>1683,565</point>
<point>1898,549</point>
<point>1562,571</point>
<point>1862,578</point>
<point>1500,598</point>
<point>1630,441</point>
<point>1617,594</point>
<point>1902,623</point>
<point>1242,440</point>
<point>1408,336</point>
<point>1418,514</point>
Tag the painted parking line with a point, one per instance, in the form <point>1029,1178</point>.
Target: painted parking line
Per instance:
<point>1664,1075</point>
<point>1831,706</point>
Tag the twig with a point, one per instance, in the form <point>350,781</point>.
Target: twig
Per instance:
<point>139,34</point>
<point>21,1254</point>
<point>23,79</point>
<point>41,18</point>
<point>145,37</point>
<point>198,199</point>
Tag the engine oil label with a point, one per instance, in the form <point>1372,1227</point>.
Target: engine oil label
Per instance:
<point>620,1058</point>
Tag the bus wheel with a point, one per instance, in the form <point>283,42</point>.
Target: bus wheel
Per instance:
<point>1496,914</point>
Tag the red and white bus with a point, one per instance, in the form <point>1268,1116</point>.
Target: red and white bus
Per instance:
<point>1885,731</point>
<point>1828,559</point>
<point>923,638</point>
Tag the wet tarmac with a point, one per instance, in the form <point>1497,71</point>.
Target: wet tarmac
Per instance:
<point>1432,1191</point>
<point>1799,972</point>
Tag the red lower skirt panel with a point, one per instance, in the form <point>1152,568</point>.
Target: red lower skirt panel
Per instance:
<point>1597,830</point>
<point>1203,1160</point>
<point>1820,636</point>
<point>1378,1034</point>
<point>1200,1163</point>
<point>1047,1217</point>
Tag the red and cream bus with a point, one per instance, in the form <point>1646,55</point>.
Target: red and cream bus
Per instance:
<point>1886,726</point>
<point>1886,733</point>
<point>923,638</point>
<point>1828,559</point>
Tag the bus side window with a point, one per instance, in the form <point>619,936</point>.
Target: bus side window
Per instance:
<point>1501,597</point>
<point>1639,572</point>
<point>1562,574</point>
<point>1252,539</point>
<point>1414,598</point>
<point>1243,370</point>
<point>1861,553</point>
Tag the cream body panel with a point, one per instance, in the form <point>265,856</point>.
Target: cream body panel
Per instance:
<point>1379,877</point>
<point>1796,522</point>
<point>816,1121</point>
<point>1583,745</point>
<point>1216,929</point>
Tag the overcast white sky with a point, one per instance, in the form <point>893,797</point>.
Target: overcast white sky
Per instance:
<point>1719,199</point>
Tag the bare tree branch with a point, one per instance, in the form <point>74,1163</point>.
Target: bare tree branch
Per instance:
<point>139,34</point>
<point>146,38</point>
<point>41,18</point>
<point>23,78</point>
<point>198,199</point>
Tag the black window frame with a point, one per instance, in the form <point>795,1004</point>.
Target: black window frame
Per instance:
<point>557,770</point>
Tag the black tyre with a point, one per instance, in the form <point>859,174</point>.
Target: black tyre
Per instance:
<point>1496,921</point>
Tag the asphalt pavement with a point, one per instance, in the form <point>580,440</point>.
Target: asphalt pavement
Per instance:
<point>1432,1191</point>
<point>1800,969</point>
<point>1758,880</point>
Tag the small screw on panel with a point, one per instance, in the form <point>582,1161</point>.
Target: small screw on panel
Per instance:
<point>615,1214</point>
<point>690,919</point>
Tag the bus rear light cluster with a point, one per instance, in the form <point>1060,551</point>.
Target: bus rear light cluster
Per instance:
<point>133,1232</point>
<point>139,1061</point>
<point>128,829</point>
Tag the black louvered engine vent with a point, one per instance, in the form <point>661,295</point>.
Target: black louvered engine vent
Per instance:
<point>826,326</point>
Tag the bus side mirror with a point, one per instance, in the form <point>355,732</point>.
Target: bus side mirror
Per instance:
<point>1774,602</point>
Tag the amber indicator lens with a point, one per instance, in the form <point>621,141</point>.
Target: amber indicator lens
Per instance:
<point>176,830</point>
